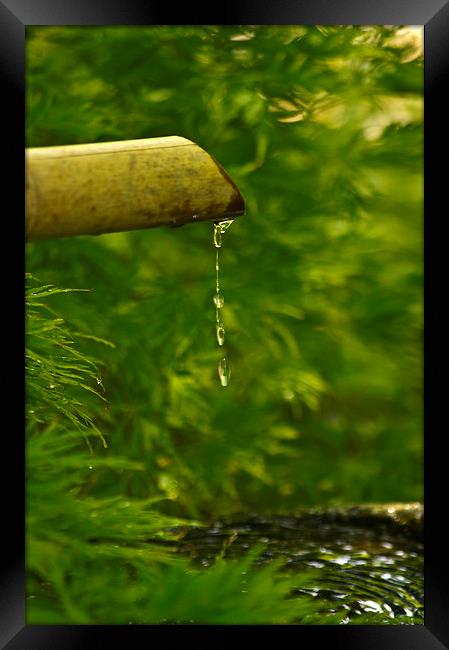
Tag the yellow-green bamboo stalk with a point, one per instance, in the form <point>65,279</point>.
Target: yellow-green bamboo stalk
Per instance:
<point>89,189</point>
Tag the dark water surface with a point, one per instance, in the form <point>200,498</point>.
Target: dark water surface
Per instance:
<point>367,563</point>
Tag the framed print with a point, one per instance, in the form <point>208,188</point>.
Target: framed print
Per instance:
<point>231,410</point>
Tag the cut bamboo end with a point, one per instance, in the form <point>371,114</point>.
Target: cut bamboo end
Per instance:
<point>90,189</point>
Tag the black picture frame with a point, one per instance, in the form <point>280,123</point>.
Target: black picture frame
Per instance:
<point>15,15</point>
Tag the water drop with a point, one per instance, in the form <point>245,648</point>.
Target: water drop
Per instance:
<point>217,237</point>
<point>218,300</point>
<point>100,384</point>
<point>224,371</point>
<point>224,225</point>
<point>220,334</point>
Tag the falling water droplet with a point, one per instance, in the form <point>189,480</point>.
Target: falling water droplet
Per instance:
<point>217,236</point>
<point>220,334</point>
<point>218,300</point>
<point>224,371</point>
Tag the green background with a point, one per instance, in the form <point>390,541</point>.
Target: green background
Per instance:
<point>321,129</point>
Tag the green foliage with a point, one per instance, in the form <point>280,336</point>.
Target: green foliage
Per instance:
<point>63,518</point>
<point>321,128</point>
<point>53,364</point>
<point>228,592</point>
<point>82,546</point>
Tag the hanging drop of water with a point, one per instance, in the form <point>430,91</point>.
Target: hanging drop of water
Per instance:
<point>224,225</point>
<point>224,371</point>
<point>218,300</point>
<point>220,334</point>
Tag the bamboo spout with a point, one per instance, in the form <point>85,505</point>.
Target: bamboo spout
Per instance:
<point>90,189</point>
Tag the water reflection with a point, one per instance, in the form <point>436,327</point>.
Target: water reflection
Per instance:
<point>363,569</point>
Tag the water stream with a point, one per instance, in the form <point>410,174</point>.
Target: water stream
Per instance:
<point>224,371</point>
